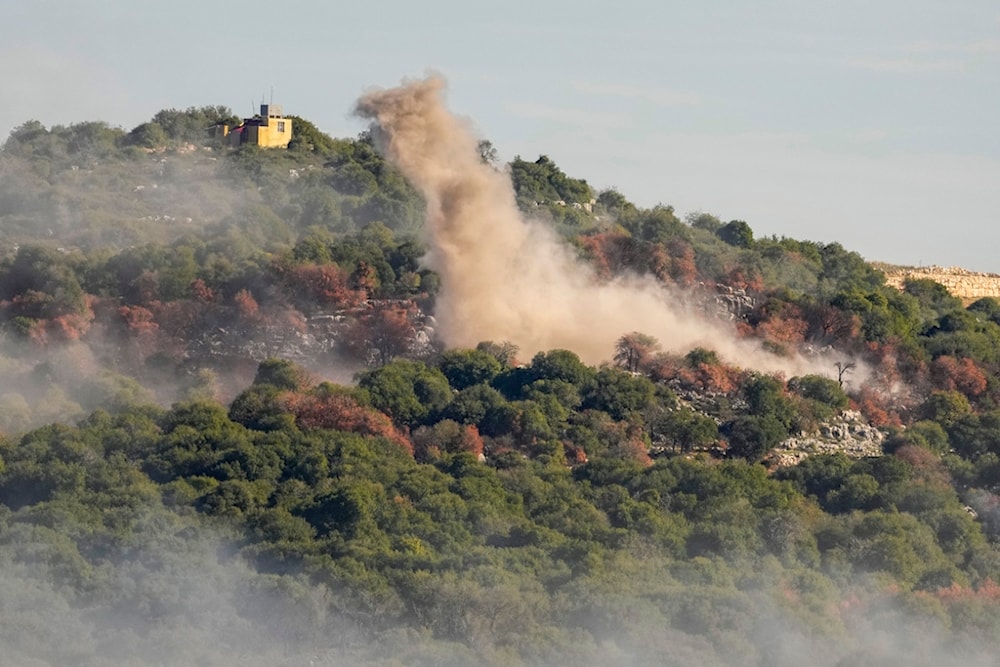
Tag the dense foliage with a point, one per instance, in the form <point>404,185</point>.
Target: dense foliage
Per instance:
<point>462,506</point>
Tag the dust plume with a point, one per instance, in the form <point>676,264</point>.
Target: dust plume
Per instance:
<point>506,278</point>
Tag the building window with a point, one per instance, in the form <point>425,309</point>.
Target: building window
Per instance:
<point>281,126</point>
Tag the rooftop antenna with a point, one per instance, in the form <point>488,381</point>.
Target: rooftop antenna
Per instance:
<point>272,96</point>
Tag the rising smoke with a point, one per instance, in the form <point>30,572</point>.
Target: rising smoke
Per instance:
<point>507,278</point>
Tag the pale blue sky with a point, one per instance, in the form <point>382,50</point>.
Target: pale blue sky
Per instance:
<point>871,123</point>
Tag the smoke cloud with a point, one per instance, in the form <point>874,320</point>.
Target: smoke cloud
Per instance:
<point>507,278</point>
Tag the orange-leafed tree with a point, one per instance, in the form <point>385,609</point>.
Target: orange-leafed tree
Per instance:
<point>780,321</point>
<point>963,375</point>
<point>700,370</point>
<point>447,436</point>
<point>876,406</point>
<point>683,269</point>
<point>246,306</point>
<point>326,284</point>
<point>138,320</point>
<point>384,332</point>
<point>827,323</point>
<point>330,407</point>
<point>202,292</point>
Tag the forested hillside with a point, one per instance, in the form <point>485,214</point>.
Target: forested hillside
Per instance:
<point>233,435</point>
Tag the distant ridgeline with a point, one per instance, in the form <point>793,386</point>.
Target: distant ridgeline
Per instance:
<point>966,285</point>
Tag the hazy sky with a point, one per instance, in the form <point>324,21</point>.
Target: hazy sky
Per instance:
<point>871,123</point>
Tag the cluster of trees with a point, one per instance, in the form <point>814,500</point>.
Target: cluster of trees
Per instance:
<point>327,226</point>
<point>93,186</point>
<point>465,505</point>
<point>433,508</point>
<point>543,189</point>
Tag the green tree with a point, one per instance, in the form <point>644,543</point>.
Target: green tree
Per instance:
<point>542,182</point>
<point>934,298</point>
<point>618,393</point>
<point>488,153</point>
<point>614,203</point>
<point>560,365</point>
<point>306,137</point>
<point>821,389</point>
<point>480,405</point>
<point>194,124</point>
<point>465,368</point>
<point>736,233</point>
<point>752,437</point>
<point>766,398</point>
<point>946,407</point>
<point>505,352</point>
<point>685,429</point>
<point>408,391</point>
<point>282,374</point>
<point>42,283</point>
<point>147,135</point>
<point>656,225</point>
<point>703,221</point>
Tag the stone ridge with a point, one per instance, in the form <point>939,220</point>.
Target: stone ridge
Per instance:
<point>848,433</point>
<point>966,285</point>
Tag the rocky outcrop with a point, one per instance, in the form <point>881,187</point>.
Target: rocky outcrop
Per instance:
<point>966,285</point>
<point>733,303</point>
<point>849,433</point>
<point>322,334</point>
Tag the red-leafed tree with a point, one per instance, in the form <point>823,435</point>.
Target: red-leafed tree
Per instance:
<point>593,248</point>
<point>177,318</point>
<point>779,321</point>
<point>472,441</point>
<point>382,333</point>
<point>326,284</point>
<point>876,407</point>
<point>147,287</point>
<point>615,252</point>
<point>683,269</point>
<point>326,407</point>
<point>742,277</point>
<point>699,370</point>
<point>925,464</point>
<point>202,292</point>
<point>364,280</point>
<point>30,303</point>
<point>628,441</point>
<point>784,331</point>
<point>828,324</point>
<point>246,306</point>
<point>69,327</point>
<point>447,436</point>
<point>949,373</point>
<point>139,321</point>
<point>142,335</point>
<point>987,591</point>
<point>575,455</point>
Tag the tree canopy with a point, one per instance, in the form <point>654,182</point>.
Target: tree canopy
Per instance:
<point>225,400</point>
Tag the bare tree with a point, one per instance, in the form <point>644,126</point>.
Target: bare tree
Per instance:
<point>843,368</point>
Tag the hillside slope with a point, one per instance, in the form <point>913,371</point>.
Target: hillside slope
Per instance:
<point>172,492</point>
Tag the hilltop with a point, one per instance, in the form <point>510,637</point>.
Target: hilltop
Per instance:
<point>241,423</point>
<point>962,283</point>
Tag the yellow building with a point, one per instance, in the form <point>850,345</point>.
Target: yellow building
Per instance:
<point>269,129</point>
